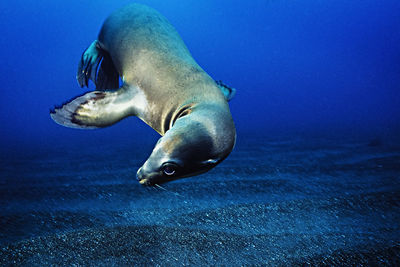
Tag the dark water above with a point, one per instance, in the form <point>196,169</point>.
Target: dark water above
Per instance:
<point>272,202</point>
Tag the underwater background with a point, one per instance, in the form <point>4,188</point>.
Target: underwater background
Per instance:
<point>314,178</point>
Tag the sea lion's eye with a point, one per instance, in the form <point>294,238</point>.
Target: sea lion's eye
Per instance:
<point>169,168</point>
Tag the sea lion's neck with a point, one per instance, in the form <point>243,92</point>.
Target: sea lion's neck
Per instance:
<point>196,93</point>
<point>163,119</point>
<point>209,120</point>
<point>173,116</point>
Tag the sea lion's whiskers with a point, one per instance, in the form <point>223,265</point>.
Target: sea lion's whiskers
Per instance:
<point>163,188</point>
<point>153,188</point>
<point>159,186</point>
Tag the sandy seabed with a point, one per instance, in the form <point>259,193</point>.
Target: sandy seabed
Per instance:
<point>287,202</point>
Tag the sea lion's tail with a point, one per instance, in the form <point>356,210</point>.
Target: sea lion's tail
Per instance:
<point>96,65</point>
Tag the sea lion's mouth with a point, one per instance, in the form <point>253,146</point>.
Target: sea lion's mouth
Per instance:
<point>153,182</point>
<point>147,180</point>
<point>142,180</point>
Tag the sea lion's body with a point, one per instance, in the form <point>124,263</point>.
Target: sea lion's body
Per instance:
<point>148,52</point>
<point>162,85</point>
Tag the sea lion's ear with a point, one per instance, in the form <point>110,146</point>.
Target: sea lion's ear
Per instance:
<point>228,92</point>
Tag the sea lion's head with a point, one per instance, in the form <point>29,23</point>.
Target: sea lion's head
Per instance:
<point>189,148</point>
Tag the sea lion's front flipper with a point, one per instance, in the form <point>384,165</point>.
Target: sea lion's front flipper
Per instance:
<point>228,92</point>
<point>98,108</point>
<point>96,65</point>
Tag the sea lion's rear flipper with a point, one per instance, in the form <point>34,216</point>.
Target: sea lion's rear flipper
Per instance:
<point>96,65</point>
<point>96,109</point>
<point>228,92</point>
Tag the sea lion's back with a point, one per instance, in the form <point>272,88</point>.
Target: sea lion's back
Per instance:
<point>137,31</point>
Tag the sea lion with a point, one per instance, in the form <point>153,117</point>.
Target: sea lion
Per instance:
<point>162,85</point>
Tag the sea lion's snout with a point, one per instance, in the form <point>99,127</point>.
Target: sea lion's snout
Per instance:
<point>139,176</point>
<point>142,178</point>
<point>150,178</point>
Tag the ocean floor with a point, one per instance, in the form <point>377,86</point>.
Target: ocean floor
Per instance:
<point>271,202</point>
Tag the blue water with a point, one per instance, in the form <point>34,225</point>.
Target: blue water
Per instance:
<point>314,177</point>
